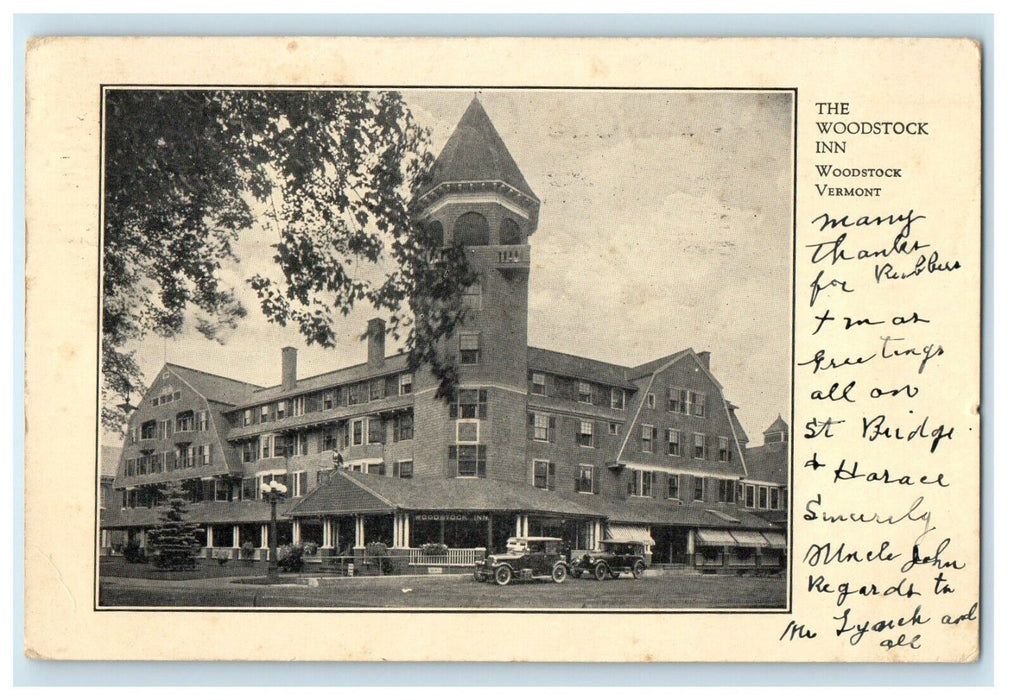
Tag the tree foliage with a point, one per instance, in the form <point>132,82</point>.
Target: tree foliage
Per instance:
<point>332,171</point>
<point>175,540</point>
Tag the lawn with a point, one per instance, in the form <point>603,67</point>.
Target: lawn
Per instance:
<point>662,590</point>
<point>117,566</point>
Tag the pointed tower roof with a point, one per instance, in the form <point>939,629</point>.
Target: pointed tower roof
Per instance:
<point>779,426</point>
<point>474,154</point>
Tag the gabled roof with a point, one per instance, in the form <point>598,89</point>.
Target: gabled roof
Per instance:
<point>769,462</point>
<point>345,375</point>
<point>476,153</point>
<point>736,425</point>
<point>215,387</point>
<point>351,492</point>
<point>579,367</point>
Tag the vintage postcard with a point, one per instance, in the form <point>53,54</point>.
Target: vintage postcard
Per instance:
<point>503,349</point>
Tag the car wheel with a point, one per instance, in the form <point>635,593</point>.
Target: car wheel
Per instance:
<point>601,571</point>
<point>479,576</point>
<point>503,575</point>
<point>638,569</point>
<point>560,573</point>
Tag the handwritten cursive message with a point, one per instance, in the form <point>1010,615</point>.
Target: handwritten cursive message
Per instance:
<point>885,536</point>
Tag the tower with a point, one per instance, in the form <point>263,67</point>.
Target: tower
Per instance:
<point>477,197</point>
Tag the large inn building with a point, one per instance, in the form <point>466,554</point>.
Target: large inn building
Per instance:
<point>537,442</point>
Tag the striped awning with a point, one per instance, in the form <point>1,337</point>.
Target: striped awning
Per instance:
<point>715,538</point>
<point>749,538</point>
<point>775,539</point>
<point>629,533</point>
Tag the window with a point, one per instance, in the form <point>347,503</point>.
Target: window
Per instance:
<point>614,428</point>
<point>640,483</point>
<point>168,463</point>
<point>774,498</point>
<point>698,488</point>
<point>647,438</point>
<point>617,399</point>
<point>328,440</point>
<point>586,434</point>
<point>248,416</point>
<point>328,400</point>
<point>283,446</point>
<point>471,229</point>
<point>176,396</point>
<point>404,384</point>
<point>148,429</point>
<point>403,426</point>
<point>584,481</point>
<point>249,451</point>
<point>357,432</point>
<point>356,395</point>
<point>584,392</point>
<point>222,490</point>
<point>727,491</point>
<point>673,441</point>
<point>468,431</point>
<point>183,457</point>
<point>377,389</point>
<point>202,420</point>
<point>724,454</point>
<point>471,298</point>
<point>376,431</point>
<point>165,428</point>
<point>510,232</point>
<point>204,455</point>
<point>299,406</point>
<point>403,469</point>
<point>298,483</point>
<point>468,345</point>
<point>762,497</point>
<point>749,491</point>
<point>467,460</point>
<point>542,427</point>
<point>696,402</point>
<point>699,449</point>
<point>267,446</point>
<point>184,422</point>
<point>543,474</point>
<point>673,487</point>
<point>280,410</point>
<point>266,414</point>
<point>471,404</point>
<point>538,383</point>
<point>651,401</point>
<point>324,474</point>
<point>154,401</point>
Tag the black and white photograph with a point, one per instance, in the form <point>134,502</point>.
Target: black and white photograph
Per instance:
<point>450,348</point>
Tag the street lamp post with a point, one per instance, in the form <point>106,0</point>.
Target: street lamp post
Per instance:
<point>273,491</point>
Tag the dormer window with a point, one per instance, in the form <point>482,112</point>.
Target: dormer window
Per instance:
<point>617,399</point>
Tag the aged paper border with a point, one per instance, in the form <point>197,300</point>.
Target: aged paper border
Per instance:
<point>624,56</point>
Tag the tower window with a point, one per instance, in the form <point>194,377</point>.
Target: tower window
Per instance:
<point>510,233</point>
<point>471,229</point>
<point>468,344</point>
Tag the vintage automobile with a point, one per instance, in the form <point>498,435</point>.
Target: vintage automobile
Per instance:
<point>612,558</point>
<point>526,559</point>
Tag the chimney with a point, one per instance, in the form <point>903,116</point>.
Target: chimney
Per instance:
<point>705,357</point>
<point>375,331</point>
<point>288,369</point>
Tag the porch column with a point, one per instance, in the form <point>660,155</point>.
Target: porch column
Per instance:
<point>209,536</point>
<point>407,531</point>
<point>104,538</point>
<point>489,534</point>
<point>441,529</point>
<point>264,537</point>
<point>326,533</point>
<point>524,526</point>
<point>295,531</point>
<point>517,526</point>
<point>235,537</point>
<point>360,532</point>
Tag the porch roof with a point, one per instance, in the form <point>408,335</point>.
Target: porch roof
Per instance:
<point>651,512</point>
<point>352,492</point>
<point>205,512</point>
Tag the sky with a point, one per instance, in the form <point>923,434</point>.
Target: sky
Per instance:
<point>665,223</point>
